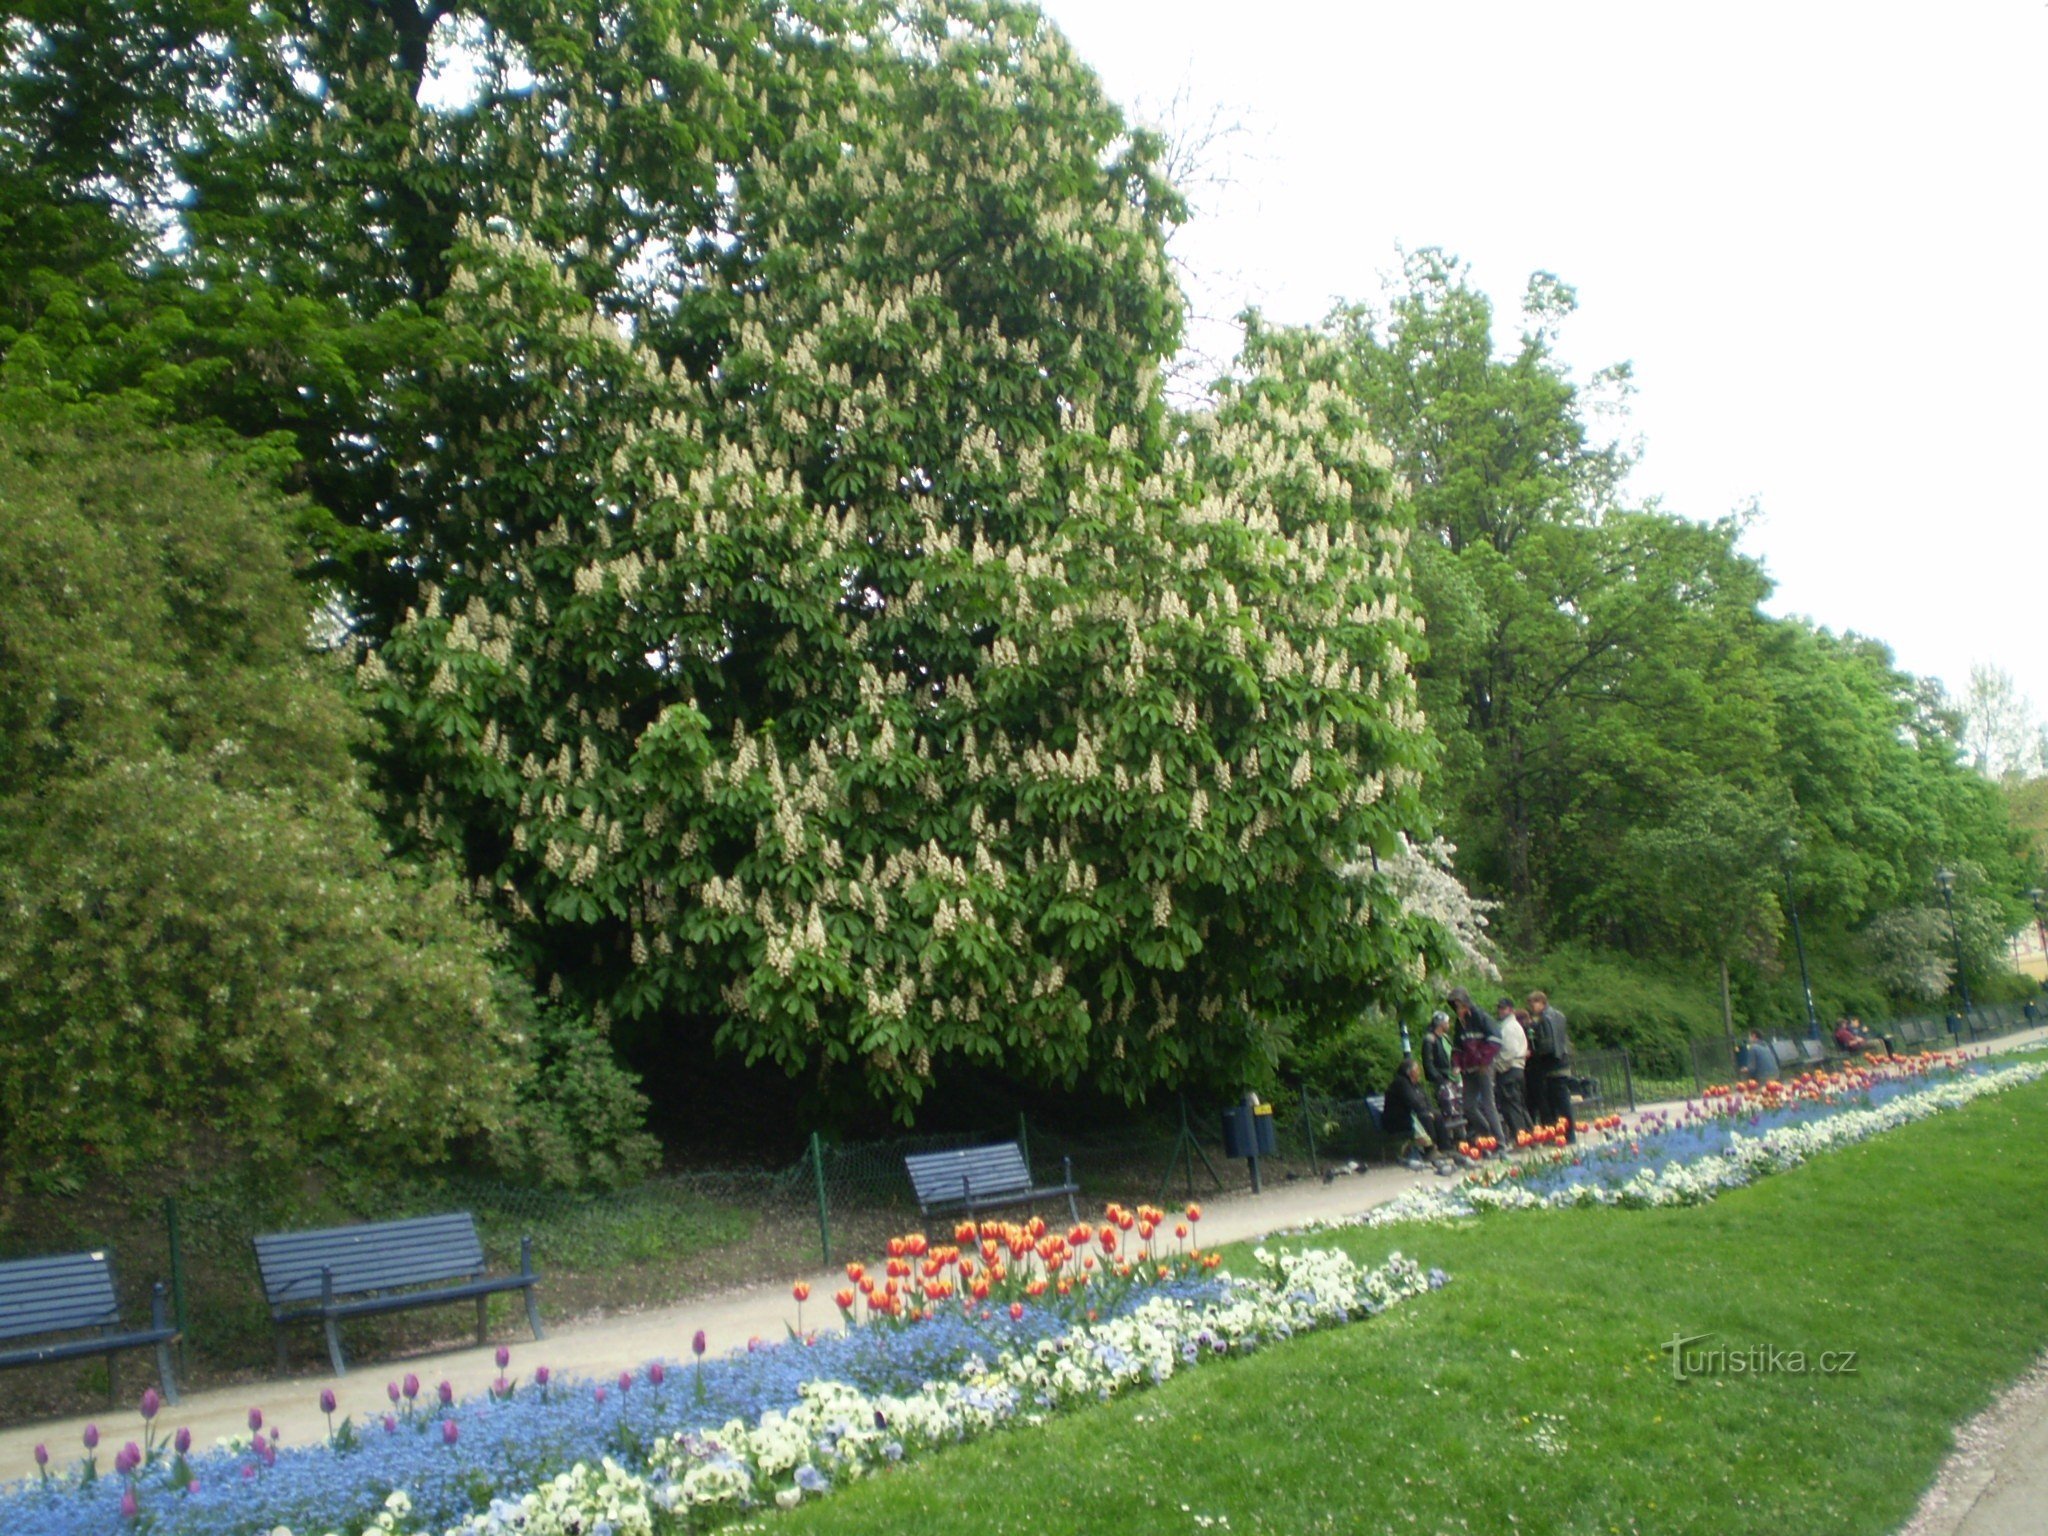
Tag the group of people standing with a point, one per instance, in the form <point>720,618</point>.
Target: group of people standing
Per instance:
<point>1487,1077</point>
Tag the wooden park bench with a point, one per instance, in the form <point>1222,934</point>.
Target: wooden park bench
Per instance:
<point>383,1266</point>
<point>975,1179</point>
<point>73,1293</point>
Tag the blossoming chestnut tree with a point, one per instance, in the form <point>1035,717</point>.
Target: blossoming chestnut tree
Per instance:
<point>892,676</point>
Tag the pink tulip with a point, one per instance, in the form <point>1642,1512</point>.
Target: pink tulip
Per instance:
<point>504,1357</point>
<point>130,1505</point>
<point>150,1403</point>
<point>657,1373</point>
<point>449,1433</point>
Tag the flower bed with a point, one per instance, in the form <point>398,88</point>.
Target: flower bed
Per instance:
<point>949,1351</point>
<point>1725,1140</point>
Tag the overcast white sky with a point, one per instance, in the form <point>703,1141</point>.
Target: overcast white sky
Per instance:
<point>1816,229</point>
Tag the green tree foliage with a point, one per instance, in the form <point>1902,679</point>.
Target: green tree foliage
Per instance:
<point>742,457</point>
<point>1629,742</point>
<point>201,923</point>
<point>905,692</point>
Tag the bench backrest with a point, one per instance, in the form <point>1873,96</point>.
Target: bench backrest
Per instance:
<point>1787,1052</point>
<point>58,1294</point>
<point>373,1256</point>
<point>988,1173</point>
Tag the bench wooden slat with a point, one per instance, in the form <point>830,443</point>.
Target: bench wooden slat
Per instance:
<point>332,1273</point>
<point>56,1293</point>
<point>978,1178</point>
<point>70,1293</point>
<point>376,1256</point>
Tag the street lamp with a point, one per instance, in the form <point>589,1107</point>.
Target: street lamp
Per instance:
<point>1790,851</point>
<point>1946,879</point>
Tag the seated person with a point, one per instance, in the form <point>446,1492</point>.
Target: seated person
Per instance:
<point>1757,1060</point>
<point>1849,1037</point>
<point>1407,1115</point>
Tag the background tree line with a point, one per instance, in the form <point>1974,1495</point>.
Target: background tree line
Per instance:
<point>567,556</point>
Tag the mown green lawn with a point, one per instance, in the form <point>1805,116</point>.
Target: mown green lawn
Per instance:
<point>1532,1395</point>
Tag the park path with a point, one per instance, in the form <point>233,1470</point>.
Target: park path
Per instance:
<point>597,1349</point>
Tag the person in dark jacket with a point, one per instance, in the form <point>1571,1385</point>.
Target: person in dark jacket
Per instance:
<point>1443,1079</point>
<point>1478,1044</point>
<point>1550,1060</point>
<point>1408,1117</point>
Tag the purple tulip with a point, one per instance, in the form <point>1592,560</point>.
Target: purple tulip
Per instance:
<point>327,1400</point>
<point>657,1373</point>
<point>697,1344</point>
<point>130,1505</point>
<point>42,1455</point>
<point>625,1382</point>
<point>255,1420</point>
<point>248,1471</point>
<point>412,1386</point>
<point>447,1393</point>
<point>128,1458</point>
<point>268,1451</point>
<point>600,1397</point>
<point>449,1433</point>
<point>182,1441</point>
<point>504,1357</point>
<point>92,1437</point>
<point>150,1403</point>
<point>541,1375</point>
<point>390,1424</point>
<point>391,1390</point>
<point>501,1388</point>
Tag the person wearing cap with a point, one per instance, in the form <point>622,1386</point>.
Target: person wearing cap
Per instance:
<point>1510,1070</point>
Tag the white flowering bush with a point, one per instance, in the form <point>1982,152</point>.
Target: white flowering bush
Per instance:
<point>886,675</point>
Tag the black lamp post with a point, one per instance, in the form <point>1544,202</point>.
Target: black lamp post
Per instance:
<point>1791,848</point>
<point>1947,881</point>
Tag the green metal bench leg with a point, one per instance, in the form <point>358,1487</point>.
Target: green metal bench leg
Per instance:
<point>334,1353</point>
<point>532,1301</point>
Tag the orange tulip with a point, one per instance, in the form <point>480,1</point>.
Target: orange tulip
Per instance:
<point>801,1290</point>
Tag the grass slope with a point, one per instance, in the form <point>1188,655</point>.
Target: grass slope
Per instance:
<point>1532,1394</point>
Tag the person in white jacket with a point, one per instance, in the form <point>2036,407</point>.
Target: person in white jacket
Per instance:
<point>1510,1070</point>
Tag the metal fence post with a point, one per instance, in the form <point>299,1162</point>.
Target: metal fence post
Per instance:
<point>1308,1131</point>
<point>1628,1077</point>
<point>824,1221</point>
<point>177,1270</point>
